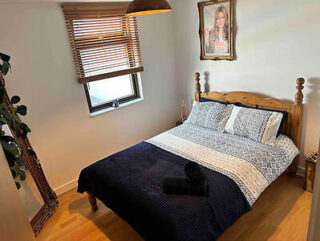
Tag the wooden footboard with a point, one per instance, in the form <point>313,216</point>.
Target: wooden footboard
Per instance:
<point>93,201</point>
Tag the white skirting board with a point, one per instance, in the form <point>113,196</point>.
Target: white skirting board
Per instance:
<point>66,187</point>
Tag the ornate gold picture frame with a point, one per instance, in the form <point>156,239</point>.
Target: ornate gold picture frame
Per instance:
<point>217,29</point>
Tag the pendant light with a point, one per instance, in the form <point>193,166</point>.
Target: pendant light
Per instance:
<point>144,7</point>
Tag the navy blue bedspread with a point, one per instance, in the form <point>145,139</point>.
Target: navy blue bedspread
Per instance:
<point>130,183</point>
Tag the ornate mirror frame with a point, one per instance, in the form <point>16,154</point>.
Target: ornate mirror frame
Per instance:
<point>33,165</point>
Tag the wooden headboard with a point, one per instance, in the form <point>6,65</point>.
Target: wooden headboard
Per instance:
<point>293,124</point>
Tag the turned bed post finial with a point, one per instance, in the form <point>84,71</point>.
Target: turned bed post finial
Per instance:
<point>197,86</point>
<point>297,114</point>
<point>299,94</point>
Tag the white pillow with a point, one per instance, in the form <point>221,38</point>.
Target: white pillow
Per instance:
<point>256,124</point>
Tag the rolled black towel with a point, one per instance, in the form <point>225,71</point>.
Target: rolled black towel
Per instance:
<point>180,185</point>
<point>195,175</point>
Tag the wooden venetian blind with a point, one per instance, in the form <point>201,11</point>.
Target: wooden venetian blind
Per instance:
<point>104,41</point>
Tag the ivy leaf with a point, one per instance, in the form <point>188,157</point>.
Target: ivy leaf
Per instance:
<point>20,161</point>
<point>18,131</point>
<point>22,110</point>
<point>3,121</point>
<point>22,173</point>
<point>31,152</point>
<point>25,130</point>
<point>4,57</point>
<point>6,114</point>
<point>25,127</point>
<point>15,99</point>
<point>15,151</point>
<point>6,146</point>
<point>16,117</point>
<point>8,138</point>
<point>5,64</point>
<point>10,158</point>
<point>13,172</point>
<point>5,68</point>
<point>18,185</point>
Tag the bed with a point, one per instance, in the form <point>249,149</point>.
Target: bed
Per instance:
<point>238,169</point>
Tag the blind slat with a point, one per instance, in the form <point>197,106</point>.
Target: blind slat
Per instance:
<point>105,42</point>
<point>91,64</point>
<point>103,58</point>
<point>108,38</point>
<point>92,54</point>
<point>110,75</point>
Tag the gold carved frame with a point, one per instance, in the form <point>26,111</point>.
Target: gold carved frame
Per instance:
<point>201,6</point>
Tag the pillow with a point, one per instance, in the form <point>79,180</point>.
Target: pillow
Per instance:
<point>284,118</point>
<point>210,115</point>
<point>256,124</point>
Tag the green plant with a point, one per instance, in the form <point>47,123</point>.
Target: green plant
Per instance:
<point>9,116</point>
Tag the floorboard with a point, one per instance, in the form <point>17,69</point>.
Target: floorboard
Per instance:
<point>280,214</point>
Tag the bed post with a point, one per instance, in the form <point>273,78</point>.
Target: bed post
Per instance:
<point>93,201</point>
<point>297,113</point>
<point>197,86</point>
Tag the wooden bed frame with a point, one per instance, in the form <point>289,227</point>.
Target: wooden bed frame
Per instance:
<point>293,124</point>
<point>291,128</point>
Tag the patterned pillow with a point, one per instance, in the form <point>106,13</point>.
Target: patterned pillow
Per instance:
<point>210,115</point>
<point>284,118</point>
<point>259,125</point>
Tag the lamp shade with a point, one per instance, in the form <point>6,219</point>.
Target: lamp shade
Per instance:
<point>144,7</point>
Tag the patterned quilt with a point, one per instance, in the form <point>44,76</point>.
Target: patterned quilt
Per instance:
<point>250,164</point>
<point>238,169</point>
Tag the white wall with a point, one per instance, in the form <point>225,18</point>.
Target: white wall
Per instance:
<point>14,223</point>
<point>65,138</point>
<point>276,42</point>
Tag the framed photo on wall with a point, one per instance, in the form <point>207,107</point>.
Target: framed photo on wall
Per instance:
<point>216,29</point>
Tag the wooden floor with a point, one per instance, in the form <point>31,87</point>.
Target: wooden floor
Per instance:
<point>280,214</point>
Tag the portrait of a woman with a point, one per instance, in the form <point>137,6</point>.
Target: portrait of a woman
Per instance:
<point>217,38</point>
<point>216,29</point>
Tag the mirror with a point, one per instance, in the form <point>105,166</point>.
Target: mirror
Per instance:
<point>28,191</point>
<point>37,196</point>
<point>30,196</point>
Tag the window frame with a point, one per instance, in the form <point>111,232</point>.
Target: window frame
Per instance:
<point>136,95</point>
<point>87,25</point>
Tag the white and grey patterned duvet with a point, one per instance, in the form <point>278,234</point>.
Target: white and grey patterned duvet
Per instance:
<point>250,164</point>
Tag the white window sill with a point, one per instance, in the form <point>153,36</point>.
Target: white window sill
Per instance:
<point>100,112</point>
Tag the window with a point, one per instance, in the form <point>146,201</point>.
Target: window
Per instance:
<point>106,51</point>
<point>101,94</point>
